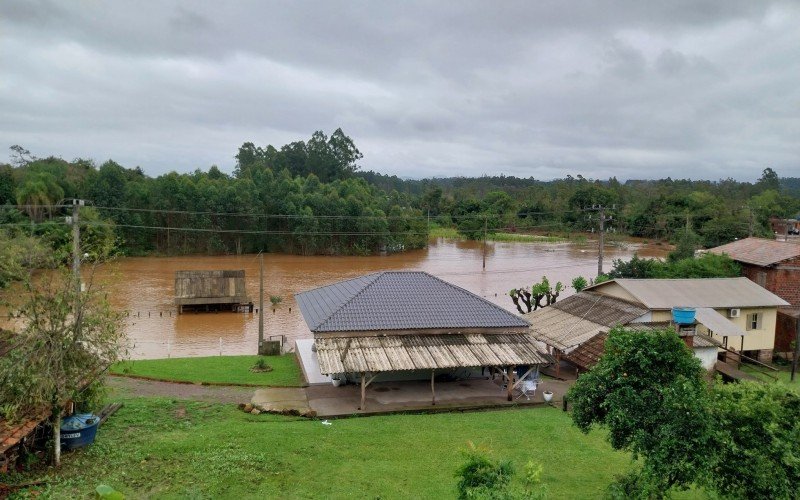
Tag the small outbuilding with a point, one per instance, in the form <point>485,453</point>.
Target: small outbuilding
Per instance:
<point>210,290</point>
<point>406,324</point>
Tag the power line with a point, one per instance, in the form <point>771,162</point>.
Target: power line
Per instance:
<point>285,216</point>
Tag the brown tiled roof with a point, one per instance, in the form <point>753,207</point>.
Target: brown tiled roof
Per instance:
<point>578,318</point>
<point>11,433</point>
<point>589,353</point>
<point>601,309</point>
<point>759,251</point>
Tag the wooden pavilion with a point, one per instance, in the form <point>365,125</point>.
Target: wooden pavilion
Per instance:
<point>403,324</point>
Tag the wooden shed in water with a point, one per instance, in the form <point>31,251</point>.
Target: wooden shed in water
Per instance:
<point>210,290</point>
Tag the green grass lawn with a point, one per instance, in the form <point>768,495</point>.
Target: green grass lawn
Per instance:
<point>216,370</point>
<point>437,231</point>
<point>177,449</point>
<point>783,376</point>
<point>528,238</point>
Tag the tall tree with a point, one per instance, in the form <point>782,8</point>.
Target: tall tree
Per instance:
<point>38,194</point>
<point>769,180</point>
<point>648,391</point>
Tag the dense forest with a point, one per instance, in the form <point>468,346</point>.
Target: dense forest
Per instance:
<point>310,197</point>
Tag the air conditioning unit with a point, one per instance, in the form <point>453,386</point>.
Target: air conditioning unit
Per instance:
<point>734,313</point>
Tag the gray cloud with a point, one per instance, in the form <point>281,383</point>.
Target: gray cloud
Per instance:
<point>702,89</point>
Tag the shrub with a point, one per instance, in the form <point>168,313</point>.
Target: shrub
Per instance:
<point>482,477</point>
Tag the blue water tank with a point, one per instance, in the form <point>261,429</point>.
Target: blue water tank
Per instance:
<point>78,430</point>
<point>683,315</point>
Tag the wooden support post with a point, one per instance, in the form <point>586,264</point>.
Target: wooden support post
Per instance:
<point>433,390</point>
<point>741,353</point>
<point>510,383</point>
<point>558,363</point>
<point>363,391</point>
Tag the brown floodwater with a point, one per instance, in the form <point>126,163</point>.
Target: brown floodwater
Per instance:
<point>144,287</point>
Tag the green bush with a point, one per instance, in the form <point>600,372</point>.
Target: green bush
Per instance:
<point>482,477</point>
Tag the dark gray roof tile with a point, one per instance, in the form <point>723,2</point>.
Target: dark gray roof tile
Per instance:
<point>399,300</point>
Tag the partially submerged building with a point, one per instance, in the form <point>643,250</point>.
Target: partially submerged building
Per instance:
<point>210,291</point>
<point>732,315</point>
<point>405,324</point>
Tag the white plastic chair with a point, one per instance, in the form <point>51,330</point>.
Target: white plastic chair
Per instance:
<point>528,387</point>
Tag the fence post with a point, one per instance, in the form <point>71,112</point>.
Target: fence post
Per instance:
<point>220,346</point>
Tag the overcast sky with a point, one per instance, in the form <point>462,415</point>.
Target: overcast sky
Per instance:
<point>634,89</point>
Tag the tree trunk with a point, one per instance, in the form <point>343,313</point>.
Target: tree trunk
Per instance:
<point>57,437</point>
<point>515,299</point>
<point>526,298</point>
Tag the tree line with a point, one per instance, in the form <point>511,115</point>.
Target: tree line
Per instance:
<point>301,198</point>
<point>310,197</point>
<point>712,212</point>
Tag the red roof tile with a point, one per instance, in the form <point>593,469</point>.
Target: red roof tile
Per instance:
<point>759,251</point>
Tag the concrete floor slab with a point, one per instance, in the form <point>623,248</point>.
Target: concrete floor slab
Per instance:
<point>309,362</point>
<point>281,399</point>
<point>389,397</point>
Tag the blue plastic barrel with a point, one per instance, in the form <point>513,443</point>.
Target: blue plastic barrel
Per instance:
<point>683,315</point>
<point>78,430</point>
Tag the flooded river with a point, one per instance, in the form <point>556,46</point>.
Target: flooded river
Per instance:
<point>144,287</point>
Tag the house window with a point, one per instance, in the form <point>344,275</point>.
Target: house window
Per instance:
<point>754,321</point>
<point>761,279</point>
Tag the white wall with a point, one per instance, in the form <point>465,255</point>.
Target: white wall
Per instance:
<point>707,356</point>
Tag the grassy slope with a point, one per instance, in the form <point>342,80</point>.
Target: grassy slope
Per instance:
<point>783,377</point>
<point>167,449</point>
<point>216,369</point>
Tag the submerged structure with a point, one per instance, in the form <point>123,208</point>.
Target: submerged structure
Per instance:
<point>210,291</point>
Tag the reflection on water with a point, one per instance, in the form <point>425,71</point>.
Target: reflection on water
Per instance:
<point>144,287</point>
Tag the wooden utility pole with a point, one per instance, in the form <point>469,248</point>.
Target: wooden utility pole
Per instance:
<point>601,209</point>
<point>485,222</point>
<point>260,303</point>
<point>76,243</point>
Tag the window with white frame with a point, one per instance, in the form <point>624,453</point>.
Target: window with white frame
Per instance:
<point>754,321</point>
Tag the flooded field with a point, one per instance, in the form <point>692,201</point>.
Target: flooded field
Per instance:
<point>144,287</point>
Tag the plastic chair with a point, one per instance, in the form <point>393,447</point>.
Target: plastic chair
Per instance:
<point>528,388</point>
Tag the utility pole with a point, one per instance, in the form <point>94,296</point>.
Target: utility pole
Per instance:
<point>601,209</point>
<point>261,302</point>
<point>76,242</point>
<point>76,273</point>
<point>485,222</point>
